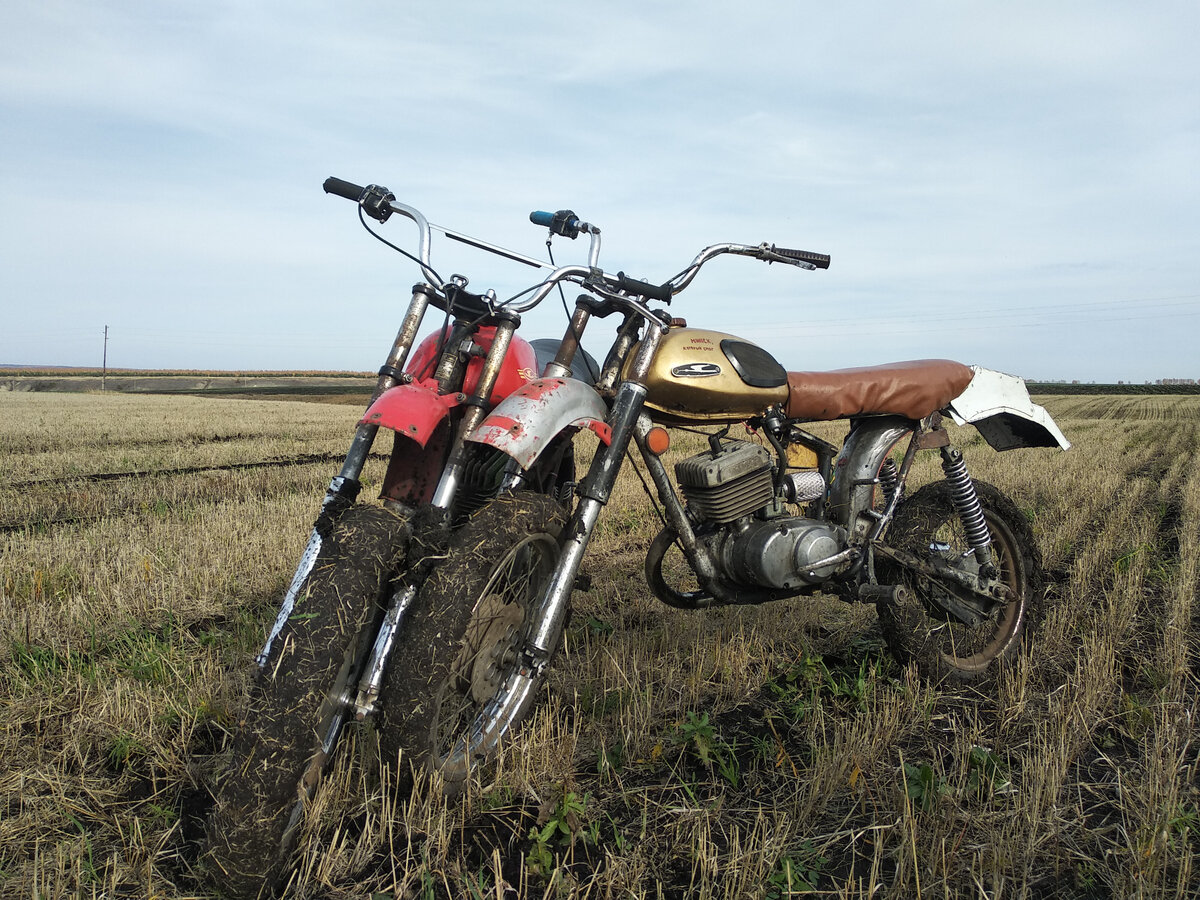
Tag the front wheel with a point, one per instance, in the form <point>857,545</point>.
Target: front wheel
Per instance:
<point>297,705</point>
<point>456,685</point>
<point>922,630</point>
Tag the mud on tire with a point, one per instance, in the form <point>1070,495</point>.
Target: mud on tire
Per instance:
<point>275,759</point>
<point>946,650</point>
<point>459,641</point>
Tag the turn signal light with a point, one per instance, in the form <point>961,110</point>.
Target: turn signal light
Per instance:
<point>657,440</point>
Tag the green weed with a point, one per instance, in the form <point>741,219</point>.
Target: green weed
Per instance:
<point>797,872</point>
<point>698,737</point>
<point>561,827</point>
<point>924,786</point>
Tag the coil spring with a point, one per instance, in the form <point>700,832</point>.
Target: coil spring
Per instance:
<point>888,477</point>
<point>966,503</point>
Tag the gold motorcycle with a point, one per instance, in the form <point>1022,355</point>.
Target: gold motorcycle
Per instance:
<point>441,606</point>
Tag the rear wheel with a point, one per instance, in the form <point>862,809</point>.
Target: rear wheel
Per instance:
<point>455,686</point>
<point>296,709</point>
<point>922,628</point>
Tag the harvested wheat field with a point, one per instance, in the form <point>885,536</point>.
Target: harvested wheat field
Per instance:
<point>751,752</point>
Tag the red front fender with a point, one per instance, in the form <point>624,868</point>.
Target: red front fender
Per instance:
<point>410,410</point>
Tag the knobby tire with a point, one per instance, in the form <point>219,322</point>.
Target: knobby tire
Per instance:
<point>276,757</point>
<point>460,640</point>
<point>919,631</point>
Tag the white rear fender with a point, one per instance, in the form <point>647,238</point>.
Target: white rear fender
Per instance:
<point>529,418</point>
<point>1000,408</point>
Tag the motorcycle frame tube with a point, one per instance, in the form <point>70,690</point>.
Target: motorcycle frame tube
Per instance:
<point>594,493</point>
<point>856,469</point>
<point>910,454</point>
<point>697,557</point>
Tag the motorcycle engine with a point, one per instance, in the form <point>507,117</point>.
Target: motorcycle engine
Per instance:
<point>731,494</point>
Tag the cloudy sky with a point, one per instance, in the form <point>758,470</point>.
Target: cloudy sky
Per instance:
<point>1013,184</point>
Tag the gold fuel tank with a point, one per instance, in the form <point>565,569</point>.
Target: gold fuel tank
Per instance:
<point>705,376</point>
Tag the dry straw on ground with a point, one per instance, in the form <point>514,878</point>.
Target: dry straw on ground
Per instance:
<point>738,753</point>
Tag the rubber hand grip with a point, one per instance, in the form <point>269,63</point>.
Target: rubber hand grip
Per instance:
<point>346,189</point>
<point>820,260</point>
<point>540,217</point>
<point>660,292</point>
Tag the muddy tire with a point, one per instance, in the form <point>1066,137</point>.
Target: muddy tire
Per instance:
<point>448,696</point>
<point>277,756</point>
<point>943,648</point>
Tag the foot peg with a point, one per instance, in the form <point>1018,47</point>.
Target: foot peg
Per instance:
<point>886,593</point>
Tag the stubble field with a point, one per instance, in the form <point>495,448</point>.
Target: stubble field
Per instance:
<point>756,752</point>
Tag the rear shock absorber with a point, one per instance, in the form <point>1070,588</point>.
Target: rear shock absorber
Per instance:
<point>888,480</point>
<point>966,503</point>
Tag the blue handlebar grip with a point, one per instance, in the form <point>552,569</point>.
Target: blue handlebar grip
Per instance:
<point>538,217</point>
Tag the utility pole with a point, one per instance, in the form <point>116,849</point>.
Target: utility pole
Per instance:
<point>104,364</point>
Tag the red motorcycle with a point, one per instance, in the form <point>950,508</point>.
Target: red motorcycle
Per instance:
<point>323,661</point>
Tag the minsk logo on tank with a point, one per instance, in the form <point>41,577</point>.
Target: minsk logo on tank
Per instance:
<point>696,370</point>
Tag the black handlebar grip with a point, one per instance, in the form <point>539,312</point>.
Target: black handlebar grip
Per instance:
<point>820,260</point>
<point>660,292</point>
<point>345,189</point>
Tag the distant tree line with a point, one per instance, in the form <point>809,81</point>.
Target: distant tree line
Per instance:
<point>1163,386</point>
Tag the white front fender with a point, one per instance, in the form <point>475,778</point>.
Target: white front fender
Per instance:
<point>529,418</point>
<point>999,406</point>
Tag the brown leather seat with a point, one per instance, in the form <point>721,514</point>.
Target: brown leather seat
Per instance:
<point>914,389</point>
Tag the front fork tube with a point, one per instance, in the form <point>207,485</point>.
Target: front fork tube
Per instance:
<point>593,497</point>
<point>344,488</point>
<point>346,485</point>
<point>476,405</point>
<point>372,679</point>
<point>371,682</point>
<point>594,493</point>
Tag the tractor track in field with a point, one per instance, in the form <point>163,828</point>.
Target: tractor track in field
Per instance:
<point>301,460</point>
<point>45,523</point>
<point>192,441</point>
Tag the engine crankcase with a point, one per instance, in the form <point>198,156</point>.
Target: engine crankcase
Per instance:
<point>780,553</point>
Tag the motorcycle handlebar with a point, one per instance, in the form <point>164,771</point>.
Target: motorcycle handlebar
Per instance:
<point>341,188</point>
<point>820,260</point>
<point>374,199</point>
<point>564,222</point>
<point>660,292</point>
<point>379,203</point>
